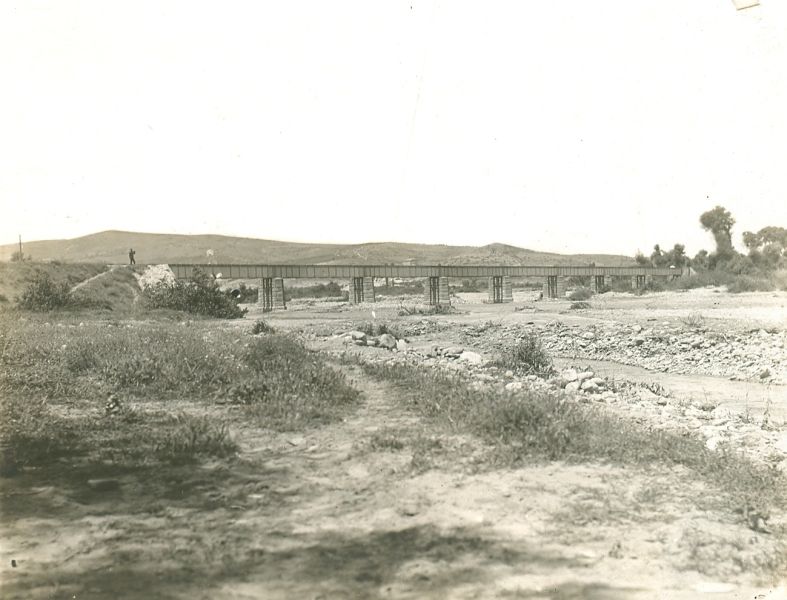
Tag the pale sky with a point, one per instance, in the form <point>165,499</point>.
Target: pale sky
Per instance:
<point>571,126</point>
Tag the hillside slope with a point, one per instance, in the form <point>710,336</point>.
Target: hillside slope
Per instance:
<point>113,246</point>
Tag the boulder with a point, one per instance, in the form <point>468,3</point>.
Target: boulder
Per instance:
<point>568,375</point>
<point>572,386</point>
<point>401,345</point>
<point>454,351</point>
<point>589,386</point>
<point>474,358</point>
<point>584,375</point>
<point>386,340</point>
<point>357,335</point>
<point>514,386</point>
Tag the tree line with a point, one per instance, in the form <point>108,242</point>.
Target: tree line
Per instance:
<point>767,248</point>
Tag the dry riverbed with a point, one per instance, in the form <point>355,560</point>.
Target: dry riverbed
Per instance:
<point>385,503</point>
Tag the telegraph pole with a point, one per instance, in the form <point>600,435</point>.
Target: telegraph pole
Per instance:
<point>20,247</point>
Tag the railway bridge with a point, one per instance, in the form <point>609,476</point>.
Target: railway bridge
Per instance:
<point>362,277</point>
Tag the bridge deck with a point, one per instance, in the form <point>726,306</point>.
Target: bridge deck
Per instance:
<point>242,271</point>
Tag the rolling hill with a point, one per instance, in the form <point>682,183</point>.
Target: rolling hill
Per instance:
<point>154,248</point>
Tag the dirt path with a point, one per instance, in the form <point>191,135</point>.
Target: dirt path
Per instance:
<point>90,279</point>
<point>380,505</point>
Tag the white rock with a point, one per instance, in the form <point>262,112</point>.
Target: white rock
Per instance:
<point>401,345</point>
<point>568,375</point>
<point>514,386</point>
<point>589,386</point>
<point>584,375</point>
<point>357,335</point>
<point>474,358</point>
<point>572,386</point>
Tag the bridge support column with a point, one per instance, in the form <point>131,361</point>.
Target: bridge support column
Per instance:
<point>271,294</point>
<point>500,289</point>
<point>598,282</point>
<point>638,281</point>
<point>361,290</point>
<point>555,287</point>
<point>436,292</point>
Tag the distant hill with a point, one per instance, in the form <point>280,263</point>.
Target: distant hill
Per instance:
<point>112,247</point>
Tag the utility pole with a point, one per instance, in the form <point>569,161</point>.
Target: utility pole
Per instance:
<point>20,247</point>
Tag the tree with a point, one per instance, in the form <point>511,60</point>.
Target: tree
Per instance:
<point>767,247</point>
<point>700,260</point>
<point>657,257</point>
<point>677,256</point>
<point>719,222</point>
<point>641,259</point>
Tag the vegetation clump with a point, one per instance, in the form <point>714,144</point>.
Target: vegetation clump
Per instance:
<point>44,294</point>
<point>200,295</point>
<point>526,357</point>
<point>581,293</point>
<point>261,326</point>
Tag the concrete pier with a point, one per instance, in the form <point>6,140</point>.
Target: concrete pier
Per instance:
<point>436,292</point>
<point>500,290</point>
<point>598,282</point>
<point>271,294</point>
<point>554,287</point>
<point>361,290</point>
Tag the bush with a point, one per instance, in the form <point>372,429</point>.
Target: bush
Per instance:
<point>200,295</point>
<point>527,356</point>
<point>579,305</point>
<point>581,293</point>
<point>261,326</point>
<point>44,294</point>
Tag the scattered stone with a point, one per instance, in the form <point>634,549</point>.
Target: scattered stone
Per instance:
<point>572,386</point>
<point>514,386</point>
<point>401,345</point>
<point>357,335</point>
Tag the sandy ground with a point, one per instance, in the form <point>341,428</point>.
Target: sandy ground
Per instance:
<point>342,511</point>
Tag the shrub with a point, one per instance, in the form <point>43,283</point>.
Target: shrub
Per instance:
<point>579,305</point>
<point>261,326</point>
<point>526,356</point>
<point>200,295</point>
<point>581,293</point>
<point>44,294</point>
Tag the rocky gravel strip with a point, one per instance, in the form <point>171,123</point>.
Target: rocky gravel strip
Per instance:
<point>651,406</point>
<point>759,355</point>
